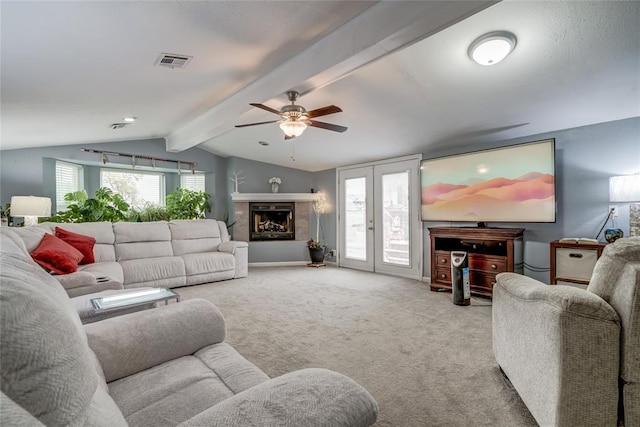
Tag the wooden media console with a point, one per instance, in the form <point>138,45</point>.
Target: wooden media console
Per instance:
<point>491,251</point>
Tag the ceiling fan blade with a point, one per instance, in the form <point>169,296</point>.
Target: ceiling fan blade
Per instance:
<point>329,109</point>
<point>264,107</point>
<point>327,126</point>
<point>256,124</point>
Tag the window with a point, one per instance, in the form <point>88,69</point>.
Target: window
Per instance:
<point>139,189</point>
<point>69,179</point>
<point>193,182</point>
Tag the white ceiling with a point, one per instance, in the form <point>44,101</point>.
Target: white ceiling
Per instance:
<point>70,69</point>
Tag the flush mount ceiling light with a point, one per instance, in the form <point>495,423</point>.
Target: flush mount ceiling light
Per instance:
<point>492,48</point>
<point>129,119</point>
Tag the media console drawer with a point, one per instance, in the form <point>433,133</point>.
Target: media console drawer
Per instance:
<point>573,262</point>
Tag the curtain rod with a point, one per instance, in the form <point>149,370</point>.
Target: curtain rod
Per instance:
<point>192,165</point>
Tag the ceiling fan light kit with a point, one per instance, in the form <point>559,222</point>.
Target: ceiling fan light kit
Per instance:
<point>293,128</point>
<point>491,48</point>
<point>295,118</point>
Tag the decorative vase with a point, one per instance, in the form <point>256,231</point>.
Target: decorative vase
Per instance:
<point>317,255</point>
<point>274,187</point>
<point>613,234</point>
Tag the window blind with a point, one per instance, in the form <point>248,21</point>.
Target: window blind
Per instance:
<point>69,179</point>
<point>193,182</point>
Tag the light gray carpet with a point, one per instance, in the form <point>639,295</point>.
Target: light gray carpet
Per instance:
<point>426,361</point>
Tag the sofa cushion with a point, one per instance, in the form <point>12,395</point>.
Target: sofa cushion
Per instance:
<point>129,232</point>
<point>208,262</point>
<point>194,236</point>
<point>56,255</point>
<point>175,391</point>
<point>103,250</point>
<point>137,240</point>
<point>140,271</point>
<point>81,242</point>
<point>31,236</point>
<point>616,279</point>
<point>142,250</point>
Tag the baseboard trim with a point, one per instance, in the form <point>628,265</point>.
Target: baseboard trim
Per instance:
<point>279,264</point>
<point>426,279</point>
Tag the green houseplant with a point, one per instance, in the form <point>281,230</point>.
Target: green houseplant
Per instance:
<point>187,204</point>
<point>106,206</point>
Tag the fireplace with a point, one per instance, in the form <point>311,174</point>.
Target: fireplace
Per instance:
<point>272,221</point>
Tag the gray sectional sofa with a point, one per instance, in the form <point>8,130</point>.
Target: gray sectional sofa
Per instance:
<point>158,254</point>
<point>161,367</point>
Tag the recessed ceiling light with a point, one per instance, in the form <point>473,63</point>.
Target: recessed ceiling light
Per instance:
<point>492,48</point>
<point>129,119</point>
<point>265,143</point>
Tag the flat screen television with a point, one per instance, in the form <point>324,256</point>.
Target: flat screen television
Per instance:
<point>509,184</point>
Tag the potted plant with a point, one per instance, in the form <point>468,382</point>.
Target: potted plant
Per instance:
<point>5,214</point>
<point>316,251</point>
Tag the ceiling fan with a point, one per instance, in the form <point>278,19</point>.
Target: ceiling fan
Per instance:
<point>295,118</point>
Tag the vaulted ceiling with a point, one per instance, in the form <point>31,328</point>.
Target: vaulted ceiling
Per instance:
<point>399,70</point>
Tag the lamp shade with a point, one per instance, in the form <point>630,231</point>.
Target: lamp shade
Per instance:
<point>30,206</point>
<point>624,188</point>
<point>293,128</point>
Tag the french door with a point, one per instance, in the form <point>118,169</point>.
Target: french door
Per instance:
<point>379,218</point>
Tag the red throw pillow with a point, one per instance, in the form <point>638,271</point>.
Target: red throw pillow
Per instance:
<point>56,255</point>
<point>79,241</point>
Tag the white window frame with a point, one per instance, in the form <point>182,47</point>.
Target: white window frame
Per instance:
<point>162,197</point>
<point>73,184</point>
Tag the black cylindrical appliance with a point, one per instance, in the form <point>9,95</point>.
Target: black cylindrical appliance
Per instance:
<point>460,285</point>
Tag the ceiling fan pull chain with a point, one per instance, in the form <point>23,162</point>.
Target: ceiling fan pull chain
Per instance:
<point>293,151</point>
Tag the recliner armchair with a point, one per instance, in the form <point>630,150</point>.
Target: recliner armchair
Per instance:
<point>573,355</point>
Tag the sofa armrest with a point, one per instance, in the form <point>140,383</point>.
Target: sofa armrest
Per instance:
<point>559,347</point>
<point>232,246</point>
<point>134,342</point>
<point>240,251</point>
<point>83,283</point>
<point>309,397</point>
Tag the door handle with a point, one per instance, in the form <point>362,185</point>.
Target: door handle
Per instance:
<point>369,228</point>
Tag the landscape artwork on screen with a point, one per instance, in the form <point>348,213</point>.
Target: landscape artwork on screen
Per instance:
<point>511,184</point>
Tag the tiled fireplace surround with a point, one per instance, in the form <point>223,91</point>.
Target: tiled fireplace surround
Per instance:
<point>303,211</point>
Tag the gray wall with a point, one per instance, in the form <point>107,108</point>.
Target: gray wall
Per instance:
<point>31,171</point>
<point>585,159</point>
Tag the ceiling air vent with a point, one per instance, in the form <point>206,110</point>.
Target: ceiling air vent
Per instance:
<point>118,125</point>
<point>172,60</point>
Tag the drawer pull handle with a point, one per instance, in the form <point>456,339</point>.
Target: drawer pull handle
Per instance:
<point>574,255</point>
<point>443,276</point>
<point>443,260</point>
<point>494,267</point>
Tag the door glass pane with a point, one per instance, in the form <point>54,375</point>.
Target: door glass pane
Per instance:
<point>356,218</point>
<point>395,218</point>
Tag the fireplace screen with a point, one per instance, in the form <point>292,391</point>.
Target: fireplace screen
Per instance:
<point>272,221</point>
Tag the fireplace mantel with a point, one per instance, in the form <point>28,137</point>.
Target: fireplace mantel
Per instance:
<point>274,197</point>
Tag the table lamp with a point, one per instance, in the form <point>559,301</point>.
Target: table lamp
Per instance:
<point>30,207</point>
<point>622,189</point>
